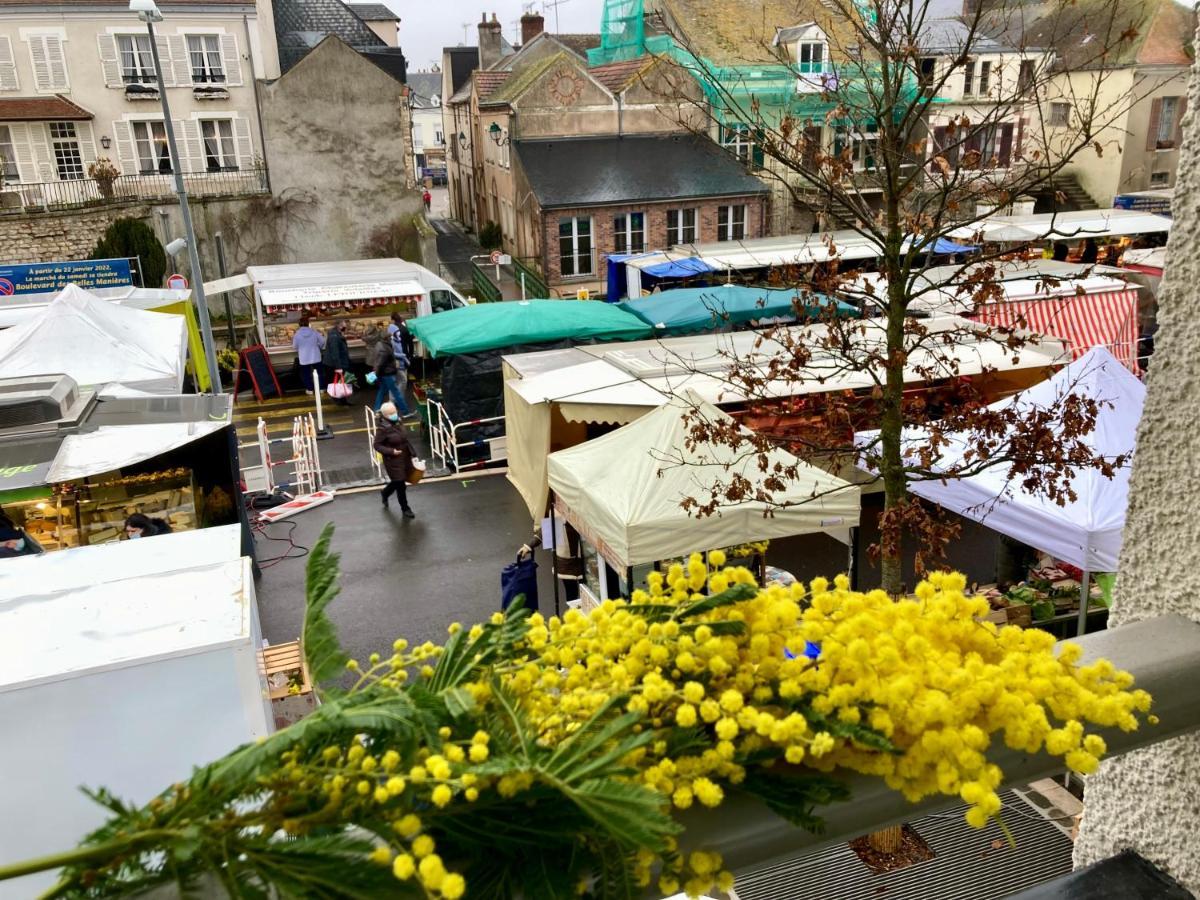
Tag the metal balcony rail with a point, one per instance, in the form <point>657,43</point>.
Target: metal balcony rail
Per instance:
<point>1163,654</point>
<point>81,193</point>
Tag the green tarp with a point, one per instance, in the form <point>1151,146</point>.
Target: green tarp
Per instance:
<point>489,326</point>
<point>686,310</point>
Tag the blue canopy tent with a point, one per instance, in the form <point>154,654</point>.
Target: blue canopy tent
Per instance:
<point>688,267</point>
<point>944,247</point>
<point>687,310</point>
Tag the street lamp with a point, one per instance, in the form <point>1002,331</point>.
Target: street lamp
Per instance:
<point>496,133</point>
<point>147,11</point>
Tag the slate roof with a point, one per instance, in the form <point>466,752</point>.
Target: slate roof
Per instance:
<point>951,35</point>
<point>599,171</point>
<point>463,61</point>
<point>41,109</point>
<point>579,44</point>
<point>425,86</point>
<point>390,59</point>
<point>302,24</point>
<point>373,12</point>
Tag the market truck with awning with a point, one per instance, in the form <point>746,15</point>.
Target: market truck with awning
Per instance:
<point>365,292</point>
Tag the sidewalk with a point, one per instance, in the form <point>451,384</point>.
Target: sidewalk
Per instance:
<point>455,249</point>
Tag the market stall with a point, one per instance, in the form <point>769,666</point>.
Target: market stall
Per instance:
<point>159,300</point>
<point>1084,532</point>
<point>123,666</point>
<point>364,292</point>
<point>1075,225</point>
<point>722,306</point>
<point>623,493</point>
<point>141,350</point>
<point>105,458</point>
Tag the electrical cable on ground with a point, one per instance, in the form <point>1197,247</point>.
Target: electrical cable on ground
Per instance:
<point>260,529</point>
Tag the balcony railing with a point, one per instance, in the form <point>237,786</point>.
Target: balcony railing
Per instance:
<point>50,196</point>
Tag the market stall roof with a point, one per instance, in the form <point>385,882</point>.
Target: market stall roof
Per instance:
<point>1085,532</point>
<point>684,310</point>
<point>142,350</point>
<point>128,296</point>
<point>623,491</point>
<point>113,447</point>
<point>343,281</point>
<point>489,326</point>
<point>1074,225</point>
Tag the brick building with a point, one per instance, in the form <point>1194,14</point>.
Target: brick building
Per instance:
<point>591,197</point>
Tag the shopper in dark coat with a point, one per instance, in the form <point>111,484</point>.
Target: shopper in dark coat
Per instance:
<point>139,525</point>
<point>13,542</point>
<point>391,442</point>
<point>336,355</point>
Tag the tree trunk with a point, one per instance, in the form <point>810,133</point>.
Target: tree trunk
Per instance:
<point>888,840</point>
<point>891,423</point>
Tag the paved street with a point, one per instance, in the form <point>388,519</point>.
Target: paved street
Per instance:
<point>401,577</point>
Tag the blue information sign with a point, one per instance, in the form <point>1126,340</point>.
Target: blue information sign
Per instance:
<point>38,278</point>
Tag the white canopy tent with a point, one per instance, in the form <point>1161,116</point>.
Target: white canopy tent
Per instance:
<point>1086,532</point>
<point>110,447</point>
<point>98,343</point>
<point>623,491</point>
<point>1075,225</point>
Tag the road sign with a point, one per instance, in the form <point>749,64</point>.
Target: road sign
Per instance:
<point>495,257</point>
<point>37,278</point>
<point>7,288</point>
<point>177,282</point>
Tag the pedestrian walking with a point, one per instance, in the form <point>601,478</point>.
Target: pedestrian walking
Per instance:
<point>308,344</point>
<point>402,344</point>
<point>391,442</point>
<point>140,525</point>
<point>336,355</point>
<point>428,198</point>
<point>386,372</point>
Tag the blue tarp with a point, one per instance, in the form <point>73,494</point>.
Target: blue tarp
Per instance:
<point>685,310</point>
<point>945,246</point>
<point>688,267</point>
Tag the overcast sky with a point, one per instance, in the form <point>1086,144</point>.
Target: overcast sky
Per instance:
<point>427,26</point>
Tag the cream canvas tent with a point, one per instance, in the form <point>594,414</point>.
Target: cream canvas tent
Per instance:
<point>623,491</point>
<point>97,343</point>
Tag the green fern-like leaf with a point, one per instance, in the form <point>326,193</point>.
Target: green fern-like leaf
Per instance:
<point>795,796</point>
<point>325,657</point>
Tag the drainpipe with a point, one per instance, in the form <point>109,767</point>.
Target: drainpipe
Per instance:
<point>620,117</point>
<point>262,137</point>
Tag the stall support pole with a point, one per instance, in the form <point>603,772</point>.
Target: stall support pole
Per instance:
<point>852,559</point>
<point>1084,592</point>
<point>554,554</point>
<point>522,285</point>
<point>323,431</point>
<point>206,335</point>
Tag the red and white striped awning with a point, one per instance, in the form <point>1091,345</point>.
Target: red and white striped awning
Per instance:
<point>1096,319</point>
<point>333,306</point>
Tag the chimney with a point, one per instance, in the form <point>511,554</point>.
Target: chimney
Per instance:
<point>490,34</point>
<point>532,24</point>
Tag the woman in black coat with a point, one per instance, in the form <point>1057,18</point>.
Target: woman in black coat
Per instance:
<point>391,442</point>
<point>336,355</point>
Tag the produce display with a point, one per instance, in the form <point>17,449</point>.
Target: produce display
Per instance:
<point>279,328</point>
<point>1051,589</point>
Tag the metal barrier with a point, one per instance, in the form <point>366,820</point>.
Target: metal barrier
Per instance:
<point>445,440</point>
<point>305,458</point>
<point>487,291</point>
<point>531,280</point>
<point>79,193</point>
<point>305,455</point>
<point>375,458</point>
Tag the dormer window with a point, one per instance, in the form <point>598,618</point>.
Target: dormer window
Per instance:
<point>810,57</point>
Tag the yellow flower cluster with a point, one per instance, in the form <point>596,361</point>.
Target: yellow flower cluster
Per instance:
<point>922,674</point>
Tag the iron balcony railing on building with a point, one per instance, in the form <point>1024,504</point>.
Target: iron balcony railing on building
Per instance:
<point>81,193</point>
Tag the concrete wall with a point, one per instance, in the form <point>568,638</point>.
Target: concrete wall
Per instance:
<point>337,134</point>
<point>1147,800</point>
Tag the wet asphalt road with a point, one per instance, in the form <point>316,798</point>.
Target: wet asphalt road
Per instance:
<point>404,578</point>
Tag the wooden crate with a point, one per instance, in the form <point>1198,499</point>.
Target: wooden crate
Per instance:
<point>286,659</point>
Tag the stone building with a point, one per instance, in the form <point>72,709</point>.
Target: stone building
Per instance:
<point>381,20</point>
<point>78,87</point>
<point>428,130</point>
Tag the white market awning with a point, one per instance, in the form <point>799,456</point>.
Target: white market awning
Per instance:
<point>110,447</point>
<point>1075,225</point>
<point>389,291</point>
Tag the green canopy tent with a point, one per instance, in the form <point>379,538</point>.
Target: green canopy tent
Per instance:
<point>689,310</point>
<point>490,326</point>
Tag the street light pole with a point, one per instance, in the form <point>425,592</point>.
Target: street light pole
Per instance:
<point>148,12</point>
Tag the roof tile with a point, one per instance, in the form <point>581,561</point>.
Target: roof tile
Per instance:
<point>617,76</point>
<point>41,109</point>
<point>373,12</point>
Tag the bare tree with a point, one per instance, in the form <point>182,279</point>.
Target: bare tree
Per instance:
<point>907,170</point>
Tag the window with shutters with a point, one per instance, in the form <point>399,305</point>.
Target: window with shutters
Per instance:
<point>969,78</point>
<point>49,62</point>
<point>150,144</point>
<point>1164,134</point>
<point>862,143</point>
<point>204,50</point>
<point>731,222</point>
<point>8,66</point>
<point>8,157</point>
<point>1025,76</point>
<point>220,154</point>
<point>575,246</point>
<point>681,226</point>
<point>629,232</point>
<point>136,59</point>
<point>65,143</point>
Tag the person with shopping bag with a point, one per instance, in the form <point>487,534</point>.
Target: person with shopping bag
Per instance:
<point>392,444</point>
<point>336,359</point>
<point>386,372</point>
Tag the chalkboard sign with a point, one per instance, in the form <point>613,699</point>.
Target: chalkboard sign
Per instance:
<point>256,363</point>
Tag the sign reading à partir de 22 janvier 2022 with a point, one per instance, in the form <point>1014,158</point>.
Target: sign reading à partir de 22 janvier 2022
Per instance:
<point>38,278</point>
